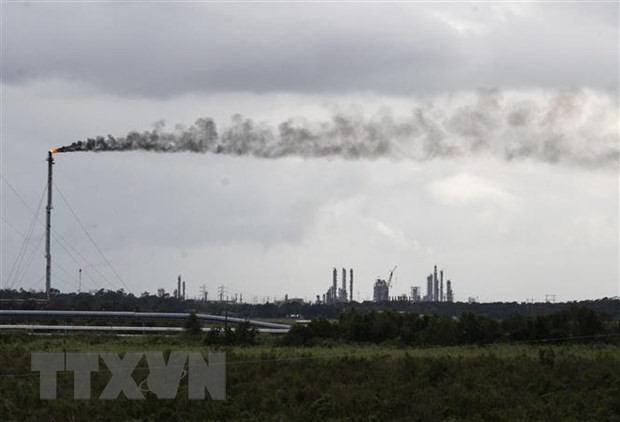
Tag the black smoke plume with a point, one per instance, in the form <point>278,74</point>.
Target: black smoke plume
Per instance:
<point>574,127</point>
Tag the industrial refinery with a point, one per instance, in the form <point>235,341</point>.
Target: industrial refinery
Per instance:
<point>335,294</point>
<point>435,291</point>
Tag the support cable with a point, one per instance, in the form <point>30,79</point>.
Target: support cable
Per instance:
<point>16,268</point>
<point>60,238</point>
<point>20,276</point>
<point>91,239</point>
<point>38,249</point>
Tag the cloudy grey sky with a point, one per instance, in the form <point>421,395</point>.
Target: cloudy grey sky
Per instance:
<point>502,121</point>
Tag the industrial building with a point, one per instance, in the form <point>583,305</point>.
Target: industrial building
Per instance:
<point>381,291</point>
<point>415,294</point>
<point>338,295</point>
<point>434,290</point>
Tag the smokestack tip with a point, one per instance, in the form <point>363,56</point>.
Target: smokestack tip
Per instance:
<point>53,150</point>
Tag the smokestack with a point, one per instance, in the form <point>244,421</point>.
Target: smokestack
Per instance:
<point>344,284</point>
<point>178,295</point>
<point>351,285</point>
<point>183,296</point>
<point>441,286</point>
<point>429,288</point>
<point>48,226</point>
<point>435,285</point>
<point>449,294</point>
<point>335,289</point>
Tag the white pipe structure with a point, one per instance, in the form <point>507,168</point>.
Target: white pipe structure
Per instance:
<point>136,316</point>
<point>120,328</point>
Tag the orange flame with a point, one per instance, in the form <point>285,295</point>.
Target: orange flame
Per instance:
<point>54,150</point>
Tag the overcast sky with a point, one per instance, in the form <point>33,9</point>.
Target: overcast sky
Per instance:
<point>525,93</point>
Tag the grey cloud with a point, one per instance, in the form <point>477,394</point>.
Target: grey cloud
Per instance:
<point>166,49</point>
<point>190,201</point>
<point>277,226</point>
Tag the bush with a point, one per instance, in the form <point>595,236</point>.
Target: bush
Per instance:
<point>193,327</point>
<point>243,335</point>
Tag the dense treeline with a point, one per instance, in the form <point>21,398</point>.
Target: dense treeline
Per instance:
<point>577,323</point>
<point>122,301</point>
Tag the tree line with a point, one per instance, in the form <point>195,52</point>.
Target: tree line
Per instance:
<point>576,324</point>
<point>121,300</point>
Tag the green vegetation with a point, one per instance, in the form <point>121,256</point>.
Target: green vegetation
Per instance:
<point>364,366</point>
<point>193,327</point>
<point>243,334</point>
<point>122,301</point>
<point>576,324</point>
<point>345,382</point>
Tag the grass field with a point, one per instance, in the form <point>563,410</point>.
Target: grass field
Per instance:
<point>335,382</point>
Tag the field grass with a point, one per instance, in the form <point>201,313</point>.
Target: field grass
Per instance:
<point>126,343</point>
<point>335,382</point>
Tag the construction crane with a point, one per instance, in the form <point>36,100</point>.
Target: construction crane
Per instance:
<point>389,282</point>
